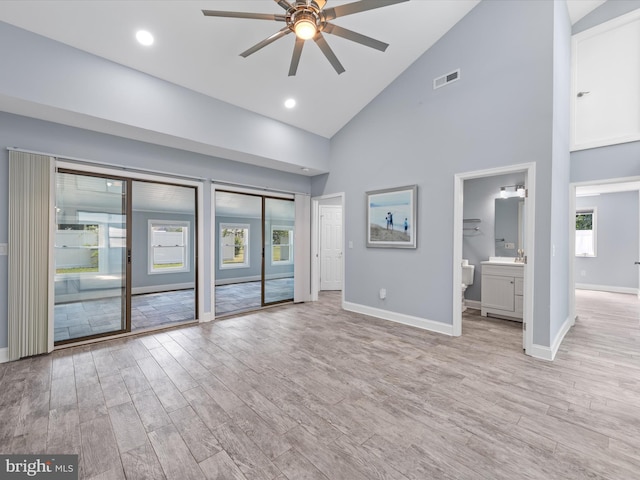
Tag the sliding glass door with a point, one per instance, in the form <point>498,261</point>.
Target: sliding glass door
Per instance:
<point>277,278</point>
<point>91,256</point>
<point>254,254</point>
<point>125,255</point>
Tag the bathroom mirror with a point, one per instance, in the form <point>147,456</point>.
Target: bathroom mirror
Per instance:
<point>509,226</point>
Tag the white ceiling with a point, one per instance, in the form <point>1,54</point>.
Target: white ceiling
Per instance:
<point>202,53</point>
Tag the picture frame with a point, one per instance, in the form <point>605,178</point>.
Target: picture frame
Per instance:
<point>392,217</point>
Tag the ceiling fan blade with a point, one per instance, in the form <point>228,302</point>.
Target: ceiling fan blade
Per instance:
<point>279,34</point>
<point>295,58</point>
<point>255,16</point>
<point>320,3</point>
<point>355,37</point>
<point>283,3</point>
<point>356,7</point>
<point>326,49</point>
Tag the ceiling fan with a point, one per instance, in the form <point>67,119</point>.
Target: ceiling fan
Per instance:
<point>308,19</point>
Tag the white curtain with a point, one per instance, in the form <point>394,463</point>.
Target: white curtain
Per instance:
<point>302,249</point>
<point>30,189</point>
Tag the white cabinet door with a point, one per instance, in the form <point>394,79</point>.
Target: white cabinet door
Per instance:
<point>498,292</point>
<point>606,83</point>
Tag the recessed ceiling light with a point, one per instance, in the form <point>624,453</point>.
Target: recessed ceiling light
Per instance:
<point>144,37</point>
<point>304,169</point>
<point>290,103</point>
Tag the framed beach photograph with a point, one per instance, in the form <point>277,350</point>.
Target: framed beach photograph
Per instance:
<point>391,217</point>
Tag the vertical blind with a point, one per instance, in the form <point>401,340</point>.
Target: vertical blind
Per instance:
<point>30,179</point>
<point>302,249</point>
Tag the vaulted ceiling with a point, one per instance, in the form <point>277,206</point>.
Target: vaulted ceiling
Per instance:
<point>202,53</point>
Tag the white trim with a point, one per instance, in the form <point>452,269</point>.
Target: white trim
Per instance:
<point>607,288</point>
<point>207,317</point>
<point>549,353</point>
<point>473,304</point>
<point>4,355</point>
<point>423,323</point>
<point>162,288</point>
<point>529,170</point>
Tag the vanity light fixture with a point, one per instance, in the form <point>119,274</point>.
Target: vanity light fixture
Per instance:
<point>518,191</point>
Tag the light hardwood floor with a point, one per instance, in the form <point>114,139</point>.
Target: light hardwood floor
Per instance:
<point>312,392</point>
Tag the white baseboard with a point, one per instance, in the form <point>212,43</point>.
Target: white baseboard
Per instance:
<point>412,321</point>
<point>549,353</point>
<point>607,288</point>
<point>475,304</point>
<point>4,355</point>
<point>162,288</point>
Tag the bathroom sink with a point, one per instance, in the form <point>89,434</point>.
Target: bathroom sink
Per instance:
<point>502,261</point>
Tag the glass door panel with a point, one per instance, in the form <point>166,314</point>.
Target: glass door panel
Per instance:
<point>91,248</point>
<point>163,254</point>
<point>238,256</point>
<point>278,231</point>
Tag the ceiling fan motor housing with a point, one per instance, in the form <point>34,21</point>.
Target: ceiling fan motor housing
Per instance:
<point>303,11</point>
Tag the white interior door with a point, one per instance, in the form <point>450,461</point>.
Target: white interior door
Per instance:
<point>330,247</point>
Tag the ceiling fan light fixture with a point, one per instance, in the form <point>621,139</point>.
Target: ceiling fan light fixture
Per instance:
<point>305,26</point>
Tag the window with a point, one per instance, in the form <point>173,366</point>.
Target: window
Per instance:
<point>168,246</point>
<point>586,232</point>
<point>77,248</point>
<point>234,245</point>
<point>281,245</point>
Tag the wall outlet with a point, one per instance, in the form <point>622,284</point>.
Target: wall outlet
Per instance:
<point>510,246</point>
<point>383,293</point>
<point>583,273</point>
<point>350,243</point>
<point>3,249</point>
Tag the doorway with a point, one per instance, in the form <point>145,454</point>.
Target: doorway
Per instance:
<point>327,244</point>
<point>125,255</point>
<point>331,247</point>
<point>605,233</point>
<point>254,260</point>
<point>528,171</point>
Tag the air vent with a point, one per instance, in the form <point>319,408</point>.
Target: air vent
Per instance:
<point>446,79</point>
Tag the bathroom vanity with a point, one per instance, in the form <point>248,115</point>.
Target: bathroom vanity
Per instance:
<point>502,288</point>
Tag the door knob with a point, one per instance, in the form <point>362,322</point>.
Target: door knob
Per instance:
<point>636,263</point>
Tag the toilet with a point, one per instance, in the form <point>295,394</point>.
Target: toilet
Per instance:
<point>467,278</point>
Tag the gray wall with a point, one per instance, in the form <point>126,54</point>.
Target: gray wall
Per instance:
<point>38,135</point>
<point>479,202</point>
<point>499,113</point>
<point>616,241</point>
<point>560,173</point>
<point>140,251</point>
